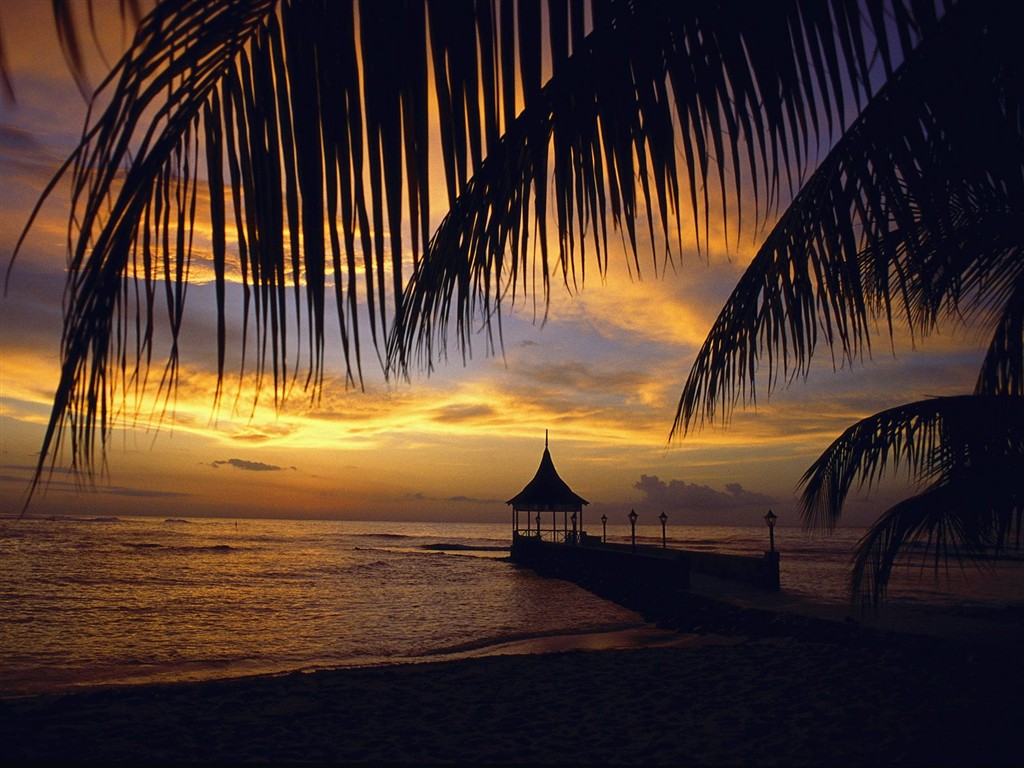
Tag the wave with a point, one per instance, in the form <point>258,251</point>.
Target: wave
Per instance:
<point>446,546</point>
<point>516,637</point>
<point>164,547</point>
<point>373,566</point>
<point>73,519</point>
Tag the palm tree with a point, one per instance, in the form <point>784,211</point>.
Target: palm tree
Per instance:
<point>916,213</point>
<point>310,121</point>
<point>301,126</point>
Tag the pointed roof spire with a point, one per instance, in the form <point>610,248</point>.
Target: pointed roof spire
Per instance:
<point>545,439</point>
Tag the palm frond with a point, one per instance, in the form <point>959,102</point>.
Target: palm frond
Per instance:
<point>69,31</point>
<point>938,440</point>
<point>279,114</point>
<point>137,223</point>
<point>961,519</point>
<point>916,211</point>
<point>271,117</point>
<point>740,95</point>
<point>299,129</point>
<point>1002,372</point>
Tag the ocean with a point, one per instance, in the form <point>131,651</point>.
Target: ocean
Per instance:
<point>87,602</point>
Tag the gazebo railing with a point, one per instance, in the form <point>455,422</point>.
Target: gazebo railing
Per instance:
<point>560,525</point>
<point>546,534</point>
<point>558,536</point>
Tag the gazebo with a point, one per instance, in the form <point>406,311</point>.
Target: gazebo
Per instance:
<point>547,492</point>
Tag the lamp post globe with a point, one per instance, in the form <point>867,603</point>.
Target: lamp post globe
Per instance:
<point>770,519</point>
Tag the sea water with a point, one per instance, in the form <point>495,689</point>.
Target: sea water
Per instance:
<point>95,601</point>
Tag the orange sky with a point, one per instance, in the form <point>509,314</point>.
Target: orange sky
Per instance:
<point>603,375</point>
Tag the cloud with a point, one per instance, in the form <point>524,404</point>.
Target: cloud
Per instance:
<point>262,434</point>
<point>50,484</point>
<point>249,466</point>
<point>471,500</point>
<point>580,377</point>
<point>21,146</point>
<point>681,496</point>
<point>463,412</point>
<point>144,494</point>
<point>458,499</point>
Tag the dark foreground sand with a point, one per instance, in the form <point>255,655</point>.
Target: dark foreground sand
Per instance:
<point>744,688</point>
<point>765,702</point>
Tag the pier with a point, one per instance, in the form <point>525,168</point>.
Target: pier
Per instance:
<point>553,541</point>
<point>656,566</point>
<point>590,557</point>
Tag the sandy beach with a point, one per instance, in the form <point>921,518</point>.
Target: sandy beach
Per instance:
<point>761,702</point>
<point>779,688</point>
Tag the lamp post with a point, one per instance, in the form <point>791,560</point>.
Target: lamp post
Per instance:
<point>604,529</point>
<point>770,518</point>
<point>632,523</point>
<point>663,517</point>
<point>573,518</point>
<point>771,576</point>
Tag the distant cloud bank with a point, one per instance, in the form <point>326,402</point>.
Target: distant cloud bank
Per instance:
<point>680,496</point>
<point>249,466</point>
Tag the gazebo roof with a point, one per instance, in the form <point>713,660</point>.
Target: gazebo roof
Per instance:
<point>547,491</point>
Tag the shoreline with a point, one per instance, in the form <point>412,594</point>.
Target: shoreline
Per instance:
<point>713,613</point>
<point>728,684</point>
<point>632,637</point>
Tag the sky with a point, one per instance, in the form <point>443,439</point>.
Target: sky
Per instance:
<point>602,376</point>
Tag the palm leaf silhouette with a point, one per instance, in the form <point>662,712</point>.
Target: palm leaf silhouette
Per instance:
<point>300,129</point>
<point>703,81</point>
<point>916,213</point>
<point>310,121</point>
<point>306,111</point>
<point>916,216</point>
<point>965,453</point>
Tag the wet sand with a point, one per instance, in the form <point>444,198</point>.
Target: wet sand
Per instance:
<point>736,685</point>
